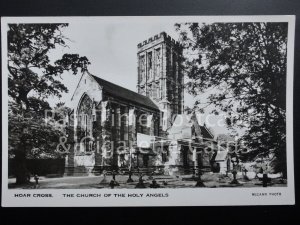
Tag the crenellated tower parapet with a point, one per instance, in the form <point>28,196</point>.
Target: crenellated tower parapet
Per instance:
<point>160,74</point>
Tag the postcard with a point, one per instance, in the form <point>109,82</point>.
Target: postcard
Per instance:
<point>147,111</point>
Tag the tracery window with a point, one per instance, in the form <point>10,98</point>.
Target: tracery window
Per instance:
<point>85,117</point>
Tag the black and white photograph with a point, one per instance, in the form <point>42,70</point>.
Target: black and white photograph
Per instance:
<point>148,107</point>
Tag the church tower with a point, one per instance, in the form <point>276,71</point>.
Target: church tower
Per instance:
<point>160,75</point>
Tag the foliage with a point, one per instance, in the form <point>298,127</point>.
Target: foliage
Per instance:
<point>243,68</point>
<point>33,136</point>
<point>29,65</point>
<point>33,77</point>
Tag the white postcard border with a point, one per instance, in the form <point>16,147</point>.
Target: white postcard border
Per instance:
<point>176,197</point>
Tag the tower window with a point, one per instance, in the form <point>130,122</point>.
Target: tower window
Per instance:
<point>157,62</point>
<point>142,68</point>
<point>150,73</point>
<point>150,60</point>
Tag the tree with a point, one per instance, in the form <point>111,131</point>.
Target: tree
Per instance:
<point>243,68</point>
<point>30,68</point>
<point>33,77</point>
<point>30,137</point>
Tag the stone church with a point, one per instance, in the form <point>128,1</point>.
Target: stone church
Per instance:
<point>113,128</point>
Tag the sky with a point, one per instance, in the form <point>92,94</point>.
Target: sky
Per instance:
<point>112,50</point>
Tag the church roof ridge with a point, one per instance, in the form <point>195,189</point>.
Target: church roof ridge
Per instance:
<point>119,91</point>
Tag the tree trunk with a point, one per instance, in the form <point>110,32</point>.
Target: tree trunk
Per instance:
<point>22,174</point>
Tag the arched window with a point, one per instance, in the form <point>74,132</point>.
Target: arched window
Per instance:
<point>85,117</point>
<point>158,62</point>
<point>142,69</point>
<point>149,66</point>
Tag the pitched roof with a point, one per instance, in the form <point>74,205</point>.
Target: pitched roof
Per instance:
<point>124,93</point>
<point>205,132</point>
<point>184,122</point>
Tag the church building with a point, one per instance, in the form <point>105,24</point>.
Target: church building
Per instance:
<point>113,128</point>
